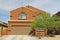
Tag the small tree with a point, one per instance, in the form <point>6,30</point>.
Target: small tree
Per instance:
<point>45,20</point>
<point>41,21</point>
<point>53,24</point>
<point>57,25</point>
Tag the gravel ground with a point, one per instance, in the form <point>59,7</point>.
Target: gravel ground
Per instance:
<point>26,37</point>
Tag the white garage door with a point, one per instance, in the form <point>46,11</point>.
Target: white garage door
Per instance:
<point>20,30</point>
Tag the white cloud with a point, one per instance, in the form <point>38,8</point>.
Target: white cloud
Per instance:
<point>7,5</point>
<point>11,4</point>
<point>40,2</point>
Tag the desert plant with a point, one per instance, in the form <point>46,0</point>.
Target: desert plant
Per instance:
<point>54,24</point>
<point>45,20</point>
<point>41,21</point>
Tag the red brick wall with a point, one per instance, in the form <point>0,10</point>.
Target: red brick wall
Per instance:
<point>31,15</point>
<point>30,12</point>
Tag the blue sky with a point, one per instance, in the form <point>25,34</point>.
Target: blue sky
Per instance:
<point>50,6</point>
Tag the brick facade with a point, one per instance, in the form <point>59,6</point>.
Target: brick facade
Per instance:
<point>31,14</point>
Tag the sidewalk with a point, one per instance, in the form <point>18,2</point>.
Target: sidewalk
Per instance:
<point>26,37</point>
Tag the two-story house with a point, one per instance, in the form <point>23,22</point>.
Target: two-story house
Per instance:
<point>21,18</point>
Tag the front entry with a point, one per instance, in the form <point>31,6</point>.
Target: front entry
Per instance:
<point>20,30</point>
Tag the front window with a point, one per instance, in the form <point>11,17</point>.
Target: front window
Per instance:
<point>22,16</point>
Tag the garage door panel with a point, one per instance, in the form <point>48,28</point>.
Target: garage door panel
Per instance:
<point>20,30</point>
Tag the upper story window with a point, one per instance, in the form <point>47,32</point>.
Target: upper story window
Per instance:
<point>22,16</point>
<point>40,15</point>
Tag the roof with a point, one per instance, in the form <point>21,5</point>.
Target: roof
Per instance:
<point>33,8</point>
<point>58,13</point>
<point>3,24</point>
<point>30,8</point>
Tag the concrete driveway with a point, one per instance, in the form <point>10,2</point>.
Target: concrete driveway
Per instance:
<point>26,37</point>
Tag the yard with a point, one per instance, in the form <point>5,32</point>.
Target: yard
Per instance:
<point>26,37</point>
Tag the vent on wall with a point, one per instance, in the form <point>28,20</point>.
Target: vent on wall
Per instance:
<point>33,16</point>
<point>10,16</point>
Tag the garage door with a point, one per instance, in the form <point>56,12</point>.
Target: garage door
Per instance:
<point>20,30</point>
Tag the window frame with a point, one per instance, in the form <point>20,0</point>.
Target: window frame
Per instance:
<point>20,18</point>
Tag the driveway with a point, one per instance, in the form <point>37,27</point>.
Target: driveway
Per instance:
<point>26,37</point>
